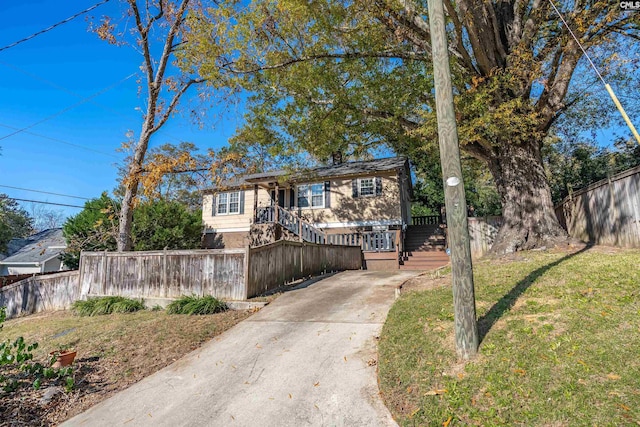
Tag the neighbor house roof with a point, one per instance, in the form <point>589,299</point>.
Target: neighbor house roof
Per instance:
<point>38,248</point>
<point>363,167</point>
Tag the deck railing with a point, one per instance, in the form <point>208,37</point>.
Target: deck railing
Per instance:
<point>426,220</point>
<point>375,241</point>
<point>291,222</point>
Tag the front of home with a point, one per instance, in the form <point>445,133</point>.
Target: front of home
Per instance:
<point>363,203</point>
<point>343,198</point>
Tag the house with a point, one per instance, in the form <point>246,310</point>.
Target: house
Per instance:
<point>366,203</point>
<point>39,253</point>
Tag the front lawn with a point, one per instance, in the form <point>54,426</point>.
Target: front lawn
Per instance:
<point>560,345</point>
<point>113,352</point>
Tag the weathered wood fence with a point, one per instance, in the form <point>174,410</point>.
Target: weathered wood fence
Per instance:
<point>284,261</point>
<point>606,212</point>
<point>165,274</point>
<point>482,233</point>
<point>39,293</point>
<point>232,274</point>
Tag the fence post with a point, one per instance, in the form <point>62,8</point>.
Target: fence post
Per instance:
<point>80,281</point>
<point>104,273</point>
<point>247,273</point>
<point>164,273</point>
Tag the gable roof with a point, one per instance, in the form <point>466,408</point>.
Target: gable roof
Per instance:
<point>38,248</point>
<point>362,167</point>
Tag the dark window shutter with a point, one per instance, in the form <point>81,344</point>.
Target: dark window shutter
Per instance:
<point>292,198</point>
<point>354,188</point>
<point>214,205</point>
<point>242,202</point>
<point>327,194</point>
<point>378,186</point>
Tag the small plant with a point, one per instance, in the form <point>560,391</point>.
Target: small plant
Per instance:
<point>106,305</point>
<point>196,305</point>
<point>16,358</point>
<point>157,307</point>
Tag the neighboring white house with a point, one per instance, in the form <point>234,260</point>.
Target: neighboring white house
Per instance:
<point>39,253</point>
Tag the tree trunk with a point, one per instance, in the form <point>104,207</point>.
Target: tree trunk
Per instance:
<point>131,183</point>
<point>530,221</point>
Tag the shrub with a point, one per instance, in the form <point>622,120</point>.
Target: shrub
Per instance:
<point>196,305</point>
<point>106,305</point>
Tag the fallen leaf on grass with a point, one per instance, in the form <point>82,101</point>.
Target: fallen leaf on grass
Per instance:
<point>436,392</point>
<point>521,372</point>
<point>613,376</point>
<point>411,415</point>
<point>625,407</point>
<point>446,423</point>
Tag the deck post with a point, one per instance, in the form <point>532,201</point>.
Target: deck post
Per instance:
<point>255,203</point>
<point>276,203</point>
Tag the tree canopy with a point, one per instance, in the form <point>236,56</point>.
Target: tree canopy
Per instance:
<point>353,76</point>
<point>15,222</point>
<point>157,225</point>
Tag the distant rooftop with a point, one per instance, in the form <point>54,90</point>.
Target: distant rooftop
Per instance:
<point>39,247</point>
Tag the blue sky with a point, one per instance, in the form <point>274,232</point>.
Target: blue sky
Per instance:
<point>71,57</point>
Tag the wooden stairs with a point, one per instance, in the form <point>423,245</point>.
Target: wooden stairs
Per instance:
<point>424,248</point>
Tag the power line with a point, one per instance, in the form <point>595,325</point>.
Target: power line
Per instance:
<point>44,203</point>
<point>64,21</point>
<point>613,96</point>
<point>68,108</point>
<point>45,192</point>
<point>77,95</point>
<point>61,141</point>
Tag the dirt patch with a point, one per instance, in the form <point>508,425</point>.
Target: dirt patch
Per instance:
<point>425,282</point>
<point>114,352</point>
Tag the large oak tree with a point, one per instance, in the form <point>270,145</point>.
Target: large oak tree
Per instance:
<point>351,75</point>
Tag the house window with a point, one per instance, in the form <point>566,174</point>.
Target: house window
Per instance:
<point>228,203</point>
<point>367,187</point>
<point>311,195</point>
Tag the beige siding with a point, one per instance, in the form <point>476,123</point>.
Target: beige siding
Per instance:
<point>233,221</point>
<point>347,209</point>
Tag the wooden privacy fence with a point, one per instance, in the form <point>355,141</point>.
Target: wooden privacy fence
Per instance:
<point>39,293</point>
<point>165,274</point>
<point>482,233</point>
<point>233,274</point>
<point>284,261</point>
<point>606,212</point>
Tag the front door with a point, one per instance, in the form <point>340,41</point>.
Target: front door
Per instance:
<point>281,193</point>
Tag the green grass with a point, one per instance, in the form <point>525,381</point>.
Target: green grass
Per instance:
<point>560,346</point>
<point>106,305</point>
<point>196,305</point>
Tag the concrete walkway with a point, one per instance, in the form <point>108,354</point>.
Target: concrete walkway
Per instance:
<point>302,360</point>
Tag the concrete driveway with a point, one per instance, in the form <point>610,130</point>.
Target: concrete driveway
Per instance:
<point>302,360</point>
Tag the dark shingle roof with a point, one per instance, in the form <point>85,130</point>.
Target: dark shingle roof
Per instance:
<point>362,167</point>
<point>342,169</point>
<point>39,247</point>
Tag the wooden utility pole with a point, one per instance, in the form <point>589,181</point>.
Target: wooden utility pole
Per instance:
<point>456,205</point>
